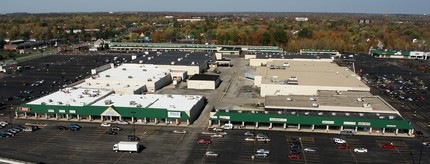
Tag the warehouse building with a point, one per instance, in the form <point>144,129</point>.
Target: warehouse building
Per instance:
<point>189,62</point>
<point>305,78</point>
<point>97,105</point>
<point>312,51</point>
<point>386,53</point>
<point>262,58</point>
<point>204,81</point>
<point>329,111</point>
<point>129,79</point>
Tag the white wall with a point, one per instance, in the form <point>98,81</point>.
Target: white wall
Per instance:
<point>201,84</point>
<point>277,89</point>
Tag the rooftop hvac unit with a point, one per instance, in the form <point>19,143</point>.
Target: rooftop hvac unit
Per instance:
<point>312,99</point>
<point>293,113</point>
<point>361,114</point>
<point>347,114</point>
<point>227,110</point>
<point>124,69</point>
<point>149,58</point>
<point>334,114</point>
<point>279,112</point>
<point>381,117</point>
<point>360,99</point>
<point>60,103</point>
<point>144,70</point>
<point>239,111</point>
<point>50,100</point>
<point>130,77</point>
<point>139,105</point>
<point>306,113</point>
<point>42,103</point>
<point>132,102</point>
<point>391,117</point>
<point>315,105</point>
<point>172,63</point>
<point>108,102</point>
<point>320,113</point>
<point>338,92</point>
<point>149,79</point>
<point>193,63</point>
<point>107,75</point>
<point>289,99</point>
<point>366,105</point>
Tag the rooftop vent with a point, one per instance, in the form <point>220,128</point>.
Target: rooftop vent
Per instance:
<point>172,63</point>
<point>312,99</point>
<point>50,100</point>
<point>360,99</point>
<point>315,105</point>
<point>149,79</point>
<point>338,92</point>
<point>108,102</point>
<point>367,105</point>
<point>289,99</point>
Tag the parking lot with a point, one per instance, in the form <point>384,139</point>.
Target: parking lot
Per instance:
<point>92,145</point>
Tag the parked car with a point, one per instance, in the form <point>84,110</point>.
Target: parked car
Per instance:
<point>388,146</point>
<point>218,129</point>
<point>248,133</point>
<point>122,122</point>
<point>133,138</point>
<point>263,151</point>
<point>294,156</point>
<point>338,140</point>
<point>263,139</point>
<point>62,128</point>
<point>295,146</point>
<point>426,144</point>
<point>116,128</point>
<point>360,150</point>
<point>249,139</point>
<point>179,131</point>
<point>309,150</point>
<point>110,132</point>
<point>261,155</point>
<point>203,141</point>
<point>211,154</point>
<point>343,146</point>
<point>104,124</point>
<point>217,136</point>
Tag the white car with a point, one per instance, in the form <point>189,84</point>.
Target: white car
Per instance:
<point>104,124</point>
<point>3,123</point>
<point>309,150</point>
<point>263,151</point>
<point>217,136</point>
<point>122,122</point>
<point>211,154</point>
<point>249,139</point>
<point>179,131</point>
<point>360,150</point>
<point>339,140</point>
<point>218,129</point>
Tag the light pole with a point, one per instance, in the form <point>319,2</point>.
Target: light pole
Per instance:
<point>422,147</point>
<point>134,126</point>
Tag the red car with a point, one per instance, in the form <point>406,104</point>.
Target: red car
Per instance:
<point>295,156</point>
<point>388,146</point>
<point>203,141</point>
<point>343,146</point>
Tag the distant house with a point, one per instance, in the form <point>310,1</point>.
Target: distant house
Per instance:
<point>301,19</point>
<point>364,21</point>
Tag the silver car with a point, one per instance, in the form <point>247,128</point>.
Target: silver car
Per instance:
<point>309,150</point>
<point>263,151</point>
<point>211,154</point>
<point>261,155</point>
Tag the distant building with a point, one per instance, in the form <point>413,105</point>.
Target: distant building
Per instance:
<point>364,21</point>
<point>169,17</point>
<point>191,20</point>
<point>301,19</point>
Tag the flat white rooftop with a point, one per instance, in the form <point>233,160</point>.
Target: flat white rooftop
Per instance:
<point>129,74</point>
<point>163,101</point>
<point>310,74</point>
<point>72,97</point>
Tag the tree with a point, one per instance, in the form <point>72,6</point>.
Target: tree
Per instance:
<point>280,37</point>
<point>265,38</point>
<point>305,32</point>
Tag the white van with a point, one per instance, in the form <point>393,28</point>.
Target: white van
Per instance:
<point>347,132</point>
<point>227,126</point>
<point>338,140</point>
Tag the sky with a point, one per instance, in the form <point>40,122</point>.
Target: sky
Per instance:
<point>331,6</point>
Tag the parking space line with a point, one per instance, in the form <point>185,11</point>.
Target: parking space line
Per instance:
<point>56,135</point>
<point>401,155</point>
<point>119,158</point>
